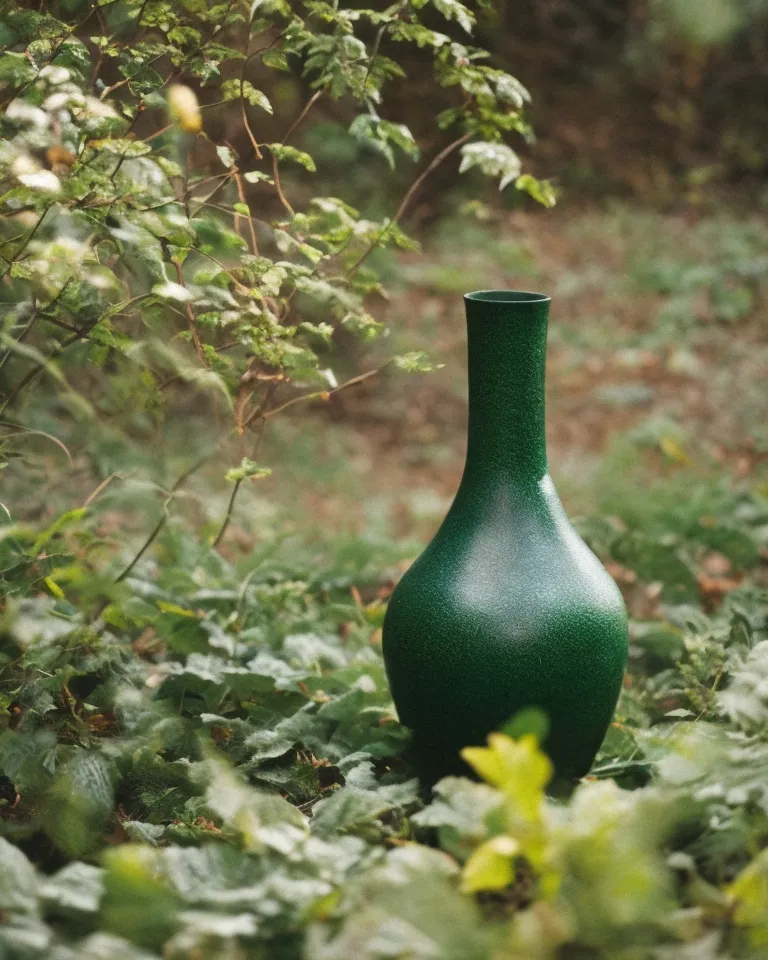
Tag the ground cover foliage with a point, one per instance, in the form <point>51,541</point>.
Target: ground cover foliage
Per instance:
<point>199,757</point>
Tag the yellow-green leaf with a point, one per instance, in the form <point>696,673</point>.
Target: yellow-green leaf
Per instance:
<point>491,866</point>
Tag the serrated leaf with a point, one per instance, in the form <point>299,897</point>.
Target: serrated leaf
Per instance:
<point>226,155</point>
<point>493,159</point>
<point>453,10</point>
<point>284,152</point>
<point>248,470</point>
<point>235,90</point>
<point>415,362</point>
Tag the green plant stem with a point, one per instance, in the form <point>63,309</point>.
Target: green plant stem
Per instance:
<point>164,518</point>
<point>227,518</point>
<point>21,337</point>
<point>26,243</point>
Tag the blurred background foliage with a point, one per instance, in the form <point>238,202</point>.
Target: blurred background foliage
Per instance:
<point>232,381</point>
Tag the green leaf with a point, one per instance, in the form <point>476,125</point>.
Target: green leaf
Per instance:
<point>18,884</point>
<point>248,470</point>
<point>542,191</point>
<point>416,362</point>
<point>226,155</point>
<point>492,159</point>
<point>284,152</point>
<point>453,10</point>
<point>75,889</point>
<point>234,90</point>
<point>79,802</point>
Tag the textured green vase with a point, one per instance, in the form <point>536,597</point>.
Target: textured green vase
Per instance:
<point>507,608</point>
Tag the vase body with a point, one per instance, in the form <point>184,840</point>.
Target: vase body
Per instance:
<point>507,607</point>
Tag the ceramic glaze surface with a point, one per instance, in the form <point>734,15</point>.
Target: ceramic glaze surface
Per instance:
<point>507,607</point>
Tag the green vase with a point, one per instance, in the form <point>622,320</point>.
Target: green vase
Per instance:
<point>507,608</point>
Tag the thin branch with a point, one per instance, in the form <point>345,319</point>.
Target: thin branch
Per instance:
<point>225,524</point>
<point>241,195</point>
<point>191,319</point>
<point>158,133</point>
<point>22,336</point>
<point>405,202</point>
<point>291,130</point>
<point>238,483</point>
<point>164,518</point>
<point>315,395</point>
<point>302,116</point>
<point>281,196</point>
<point>101,487</point>
<point>146,545</point>
<point>26,243</point>
<point>25,431</point>
<point>243,111</point>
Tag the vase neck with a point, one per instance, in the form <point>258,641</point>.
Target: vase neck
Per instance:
<point>507,343</point>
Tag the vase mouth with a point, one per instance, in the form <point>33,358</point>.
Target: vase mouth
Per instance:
<point>506,296</point>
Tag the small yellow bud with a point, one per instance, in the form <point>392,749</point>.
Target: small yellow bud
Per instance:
<point>184,108</point>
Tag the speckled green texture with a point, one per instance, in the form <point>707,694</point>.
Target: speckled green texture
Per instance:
<point>507,607</point>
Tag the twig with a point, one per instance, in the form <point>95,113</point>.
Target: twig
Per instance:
<point>191,320</point>
<point>225,524</point>
<point>21,336</point>
<point>301,117</point>
<point>241,195</point>
<point>20,430</point>
<point>238,483</point>
<point>164,518</point>
<point>291,130</point>
<point>315,395</point>
<point>243,111</point>
<point>25,244</point>
<point>146,545</point>
<point>278,188</point>
<point>435,163</point>
<point>158,133</point>
<point>102,486</point>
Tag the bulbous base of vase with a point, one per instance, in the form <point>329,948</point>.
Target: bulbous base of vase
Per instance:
<point>505,610</point>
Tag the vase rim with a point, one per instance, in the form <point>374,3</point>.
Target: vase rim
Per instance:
<point>507,296</point>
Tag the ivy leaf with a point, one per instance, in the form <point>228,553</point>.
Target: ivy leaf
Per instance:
<point>256,176</point>
<point>79,802</point>
<point>491,866</point>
